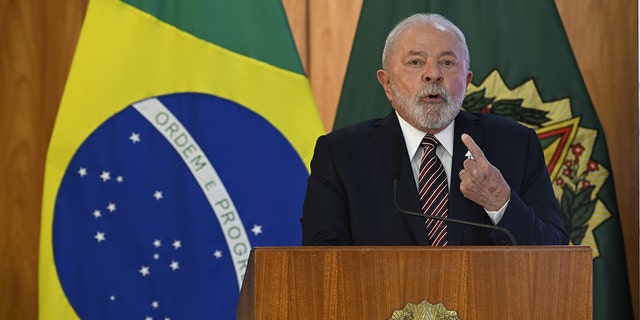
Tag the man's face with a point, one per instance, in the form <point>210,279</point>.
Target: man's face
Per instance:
<point>427,77</point>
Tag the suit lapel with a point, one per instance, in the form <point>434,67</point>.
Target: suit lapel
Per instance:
<point>386,135</point>
<point>459,206</point>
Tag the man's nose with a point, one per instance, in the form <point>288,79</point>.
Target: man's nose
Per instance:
<point>432,73</point>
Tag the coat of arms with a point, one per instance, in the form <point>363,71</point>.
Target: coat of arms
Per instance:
<point>568,147</point>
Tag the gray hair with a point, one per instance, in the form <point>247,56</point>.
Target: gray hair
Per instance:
<point>433,19</point>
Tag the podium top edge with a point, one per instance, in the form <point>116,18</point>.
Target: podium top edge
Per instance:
<point>424,248</point>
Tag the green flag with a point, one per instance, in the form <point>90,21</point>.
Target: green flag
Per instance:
<point>524,69</point>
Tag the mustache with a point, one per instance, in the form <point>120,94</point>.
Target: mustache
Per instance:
<point>432,89</point>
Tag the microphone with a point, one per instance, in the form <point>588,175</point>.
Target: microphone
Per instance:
<point>396,170</point>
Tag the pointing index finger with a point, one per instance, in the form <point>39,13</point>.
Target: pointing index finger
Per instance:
<point>471,145</point>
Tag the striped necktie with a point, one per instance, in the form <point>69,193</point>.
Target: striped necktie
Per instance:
<point>434,192</point>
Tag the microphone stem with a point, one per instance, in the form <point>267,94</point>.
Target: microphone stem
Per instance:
<point>447,219</point>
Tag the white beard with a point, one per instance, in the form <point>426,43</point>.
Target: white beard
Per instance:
<point>428,116</point>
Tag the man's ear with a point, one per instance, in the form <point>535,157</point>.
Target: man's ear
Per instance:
<point>385,80</point>
<point>469,77</point>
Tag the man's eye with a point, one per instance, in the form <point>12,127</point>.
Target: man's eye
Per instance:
<point>414,62</point>
<point>447,63</point>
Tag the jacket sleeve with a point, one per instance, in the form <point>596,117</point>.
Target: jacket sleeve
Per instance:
<point>325,218</point>
<point>533,214</point>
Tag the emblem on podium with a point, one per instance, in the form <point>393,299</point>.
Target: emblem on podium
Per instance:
<point>424,311</point>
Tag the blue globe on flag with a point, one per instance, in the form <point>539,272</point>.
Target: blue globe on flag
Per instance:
<point>160,206</point>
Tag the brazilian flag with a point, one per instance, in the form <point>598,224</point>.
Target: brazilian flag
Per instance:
<point>524,69</point>
<point>182,141</point>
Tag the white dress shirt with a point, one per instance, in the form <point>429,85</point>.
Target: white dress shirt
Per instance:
<point>444,151</point>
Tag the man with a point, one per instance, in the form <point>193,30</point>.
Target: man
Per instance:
<point>484,169</point>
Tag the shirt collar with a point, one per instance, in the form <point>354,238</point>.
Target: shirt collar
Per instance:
<point>413,137</point>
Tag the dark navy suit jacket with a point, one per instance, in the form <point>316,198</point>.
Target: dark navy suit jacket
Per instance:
<point>349,199</point>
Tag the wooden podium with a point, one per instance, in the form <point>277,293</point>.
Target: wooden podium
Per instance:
<point>479,283</point>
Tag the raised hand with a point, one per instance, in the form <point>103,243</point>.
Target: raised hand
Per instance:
<point>480,181</point>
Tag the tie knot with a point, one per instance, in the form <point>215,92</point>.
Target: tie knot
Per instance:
<point>430,142</point>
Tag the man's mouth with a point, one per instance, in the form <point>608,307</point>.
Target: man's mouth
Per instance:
<point>432,98</point>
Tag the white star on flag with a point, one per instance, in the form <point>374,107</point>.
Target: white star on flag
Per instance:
<point>82,171</point>
<point>177,244</point>
<point>100,236</point>
<point>256,229</point>
<point>144,271</point>
<point>105,176</point>
<point>134,137</point>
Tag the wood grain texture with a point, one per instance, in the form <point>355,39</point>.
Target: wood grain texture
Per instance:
<point>37,40</point>
<point>332,29</point>
<point>369,283</point>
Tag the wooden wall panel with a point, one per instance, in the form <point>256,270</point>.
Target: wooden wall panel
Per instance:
<point>37,39</point>
<point>332,29</point>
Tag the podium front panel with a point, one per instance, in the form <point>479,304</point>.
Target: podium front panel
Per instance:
<point>537,282</point>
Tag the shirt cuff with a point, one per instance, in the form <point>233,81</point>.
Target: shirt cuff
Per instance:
<point>497,215</point>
